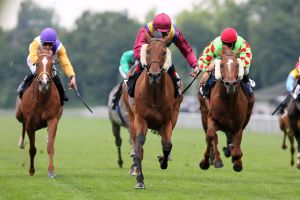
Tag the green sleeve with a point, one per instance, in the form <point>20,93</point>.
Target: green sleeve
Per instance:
<point>126,61</point>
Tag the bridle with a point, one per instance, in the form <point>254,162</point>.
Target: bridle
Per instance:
<point>230,85</point>
<point>147,66</point>
<point>38,78</point>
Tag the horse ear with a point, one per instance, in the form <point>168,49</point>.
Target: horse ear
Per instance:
<point>147,36</point>
<point>168,38</point>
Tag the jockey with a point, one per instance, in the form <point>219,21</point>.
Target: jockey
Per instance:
<point>291,81</point>
<point>161,23</point>
<point>230,38</point>
<point>48,40</point>
<point>292,78</point>
<point>126,61</point>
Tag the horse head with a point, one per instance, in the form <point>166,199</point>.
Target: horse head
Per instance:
<point>155,56</point>
<point>44,70</point>
<point>229,69</point>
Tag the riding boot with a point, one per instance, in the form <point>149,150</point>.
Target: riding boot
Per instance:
<point>25,84</point>
<point>130,83</point>
<point>117,96</point>
<point>246,79</point>
<point>176,80</point>
<point>61,90</point>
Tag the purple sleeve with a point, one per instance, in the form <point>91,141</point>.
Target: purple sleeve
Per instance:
<point>139,41</point>
<point>186,50</point>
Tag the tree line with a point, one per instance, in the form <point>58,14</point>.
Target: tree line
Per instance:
<point>97,41</point>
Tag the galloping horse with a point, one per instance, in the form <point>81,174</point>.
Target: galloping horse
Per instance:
<point>118,118</point>
<point>293,110</point>
<point>284,125</point>
<point>229,110</point>
<point>39,108</point>
<point>154,104</point>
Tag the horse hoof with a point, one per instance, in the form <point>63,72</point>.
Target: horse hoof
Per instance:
<point>31,172</point>
<point>133,171</point>
<point>292,163</point>
<point>140,185</point>
<point>51,175</point>
<point>204,165</point>
<point>120,163</point>
<point>237,168</point>
<point>21,144</point>
<point>163,164</point>
<point>226,152</point>
<point>219,164</point>
<point>298,165</point>
<point>283,146</point>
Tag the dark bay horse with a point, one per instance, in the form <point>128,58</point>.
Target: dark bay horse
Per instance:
<point>284,125</point>
<point>39,108</point>
<point>293,110</point>
<point>229,110</point>
<point>118,118</point>
<point>154,105</point>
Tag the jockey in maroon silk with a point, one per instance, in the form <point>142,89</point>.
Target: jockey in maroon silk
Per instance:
<point>162,23</point>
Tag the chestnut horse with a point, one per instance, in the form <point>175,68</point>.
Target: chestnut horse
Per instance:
<point>229,110</point>
<point>293,110</point>
<point>39,108</point>
<point>154,105</point>
<point>284,125</point>
<point>118,118</point>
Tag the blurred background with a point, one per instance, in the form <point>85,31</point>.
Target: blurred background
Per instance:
<point>96,33</point>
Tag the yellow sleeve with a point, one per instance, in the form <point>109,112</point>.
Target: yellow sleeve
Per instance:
<point>33,51</point>
<point>65,62</point>
<point>295,73</point>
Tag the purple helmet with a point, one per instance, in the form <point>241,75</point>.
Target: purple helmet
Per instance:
<point>48,35</point>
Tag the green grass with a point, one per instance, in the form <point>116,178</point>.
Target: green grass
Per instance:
<point>86,166</point>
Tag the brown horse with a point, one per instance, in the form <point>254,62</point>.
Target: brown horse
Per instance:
<point>39,108</point>
<point>229,110</point>
<point>118,118</point>
<point>284,125</point>
<point>154,104</point>
<point>293,110</point>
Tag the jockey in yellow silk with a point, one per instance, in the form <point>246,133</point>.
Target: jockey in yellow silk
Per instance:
<point>48,40</point>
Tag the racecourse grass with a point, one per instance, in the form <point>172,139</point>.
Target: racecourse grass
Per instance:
<point>86,166</point>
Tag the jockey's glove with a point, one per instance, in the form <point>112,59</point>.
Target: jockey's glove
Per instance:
<point>196,72</point>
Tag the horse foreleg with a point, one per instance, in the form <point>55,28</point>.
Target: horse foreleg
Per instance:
<point>210,136</point>
<point>292,147</point>
<point>236,152</point>
<point>297,136</point>
<point>118,141</point>
<point>32,151</point>
<point>166,135</point>
<point>226,149</point>
<point>140,140</point>
<point>217,159</point>
<point>52,127</point>
<point>283,146</point>
<point>21,140</point>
